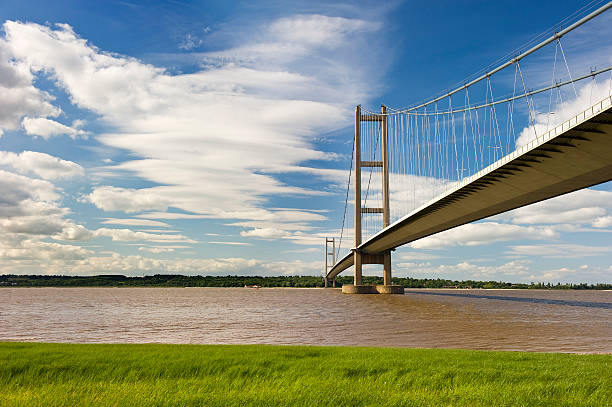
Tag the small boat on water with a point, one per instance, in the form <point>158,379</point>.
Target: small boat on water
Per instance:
<point>252,286</point>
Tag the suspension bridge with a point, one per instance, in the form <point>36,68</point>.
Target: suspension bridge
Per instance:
<point>470,154</point>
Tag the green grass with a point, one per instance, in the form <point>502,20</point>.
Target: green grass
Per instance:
<point>34,374</point>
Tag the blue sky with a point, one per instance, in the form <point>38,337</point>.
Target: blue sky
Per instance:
<point>212,137</point>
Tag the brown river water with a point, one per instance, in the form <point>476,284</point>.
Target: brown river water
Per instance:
<point>527,320</point>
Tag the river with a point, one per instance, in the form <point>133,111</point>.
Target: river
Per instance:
<point>526,320</point>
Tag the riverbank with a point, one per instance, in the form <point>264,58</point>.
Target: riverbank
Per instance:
<point>37,374</point>
<point>177,280</point>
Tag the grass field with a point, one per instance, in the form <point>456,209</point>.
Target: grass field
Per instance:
<point>34,374</point>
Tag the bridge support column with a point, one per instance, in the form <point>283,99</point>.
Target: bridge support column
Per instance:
<point>388,287</point>
<point>357,280</point>
<point>387,268</point>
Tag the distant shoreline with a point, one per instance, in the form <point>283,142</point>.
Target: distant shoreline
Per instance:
<point>306,288</point>
<point>175,280</point>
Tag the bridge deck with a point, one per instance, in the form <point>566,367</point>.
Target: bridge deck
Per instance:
<point>576,154</point>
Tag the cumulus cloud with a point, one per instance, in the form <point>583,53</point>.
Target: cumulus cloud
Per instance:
<point>514,271</point>
<point>23,196</point>
<point>77,261</point>
<point>47,128</point>
<point>127,200</point>
<point>603,222</point>
<point>19,96</point>
<point>30,211</point>
<point>44,165</point>
<point>24,250</point>
<point>517,271</point>
<point>266,233</point>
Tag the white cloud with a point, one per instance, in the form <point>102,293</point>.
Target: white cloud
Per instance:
<point>44,165</point>
<point>63,259</point>
<point>127,235</point>
<point>417,256</point>
<point>156,249</point>
<point>23,196</point>
<point>587,94</point>
<point>213,138</point>
<point>475,234</point>
<point>24,250</point>
<point>603,222</point>
<point>318,30</point>
<point>514,271</point>
<point>170,215</point>
<point>189,42</point>
<point>161,230</point>
<point>297,233</point>
<point>518,271</point>
<point>232,243</point>
<point>110,198</point>
<point>563,250</point>
<point>586,206</point>
<point>307,250</point>
<point>266,233</point>
<point>47,128</point>
<point>19,96</point>
<point>136,222</point>
<point>571,275</point>
<point>30,212</point>
<point>74,232</point>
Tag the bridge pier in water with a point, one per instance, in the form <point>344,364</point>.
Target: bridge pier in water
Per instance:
<point>366,258</point>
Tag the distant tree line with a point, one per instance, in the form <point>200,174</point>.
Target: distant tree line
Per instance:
<point>173,280</point>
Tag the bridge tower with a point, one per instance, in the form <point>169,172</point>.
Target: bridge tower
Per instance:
<point>383,258</point>
<point>329,256</point>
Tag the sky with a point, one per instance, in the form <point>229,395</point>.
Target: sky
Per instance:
<point>214,137</point>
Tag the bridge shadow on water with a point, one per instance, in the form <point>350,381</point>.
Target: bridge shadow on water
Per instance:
<point>588,304</point>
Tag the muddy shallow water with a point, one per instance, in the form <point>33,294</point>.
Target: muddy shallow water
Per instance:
<point>533,320</point>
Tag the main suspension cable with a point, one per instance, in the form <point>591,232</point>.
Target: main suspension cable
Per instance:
<point>348,187</point>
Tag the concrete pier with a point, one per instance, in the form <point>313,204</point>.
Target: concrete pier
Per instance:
<point>372,289</point>
<point>359,289</point>
<point>390,289</point>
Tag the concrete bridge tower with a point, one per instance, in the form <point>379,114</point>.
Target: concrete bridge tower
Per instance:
<point>360,258</point>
